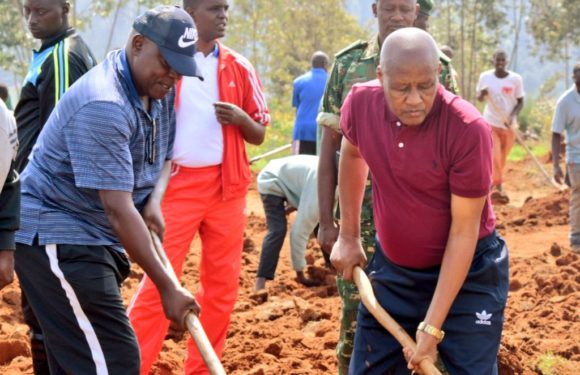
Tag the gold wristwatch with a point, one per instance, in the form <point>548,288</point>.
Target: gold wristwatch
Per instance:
<point>429,329</point>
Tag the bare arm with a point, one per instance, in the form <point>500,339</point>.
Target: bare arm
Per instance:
<point>459,252</point>
<point>327,180</point>
<point>230,114</point>
<point>132,232</point>
<point>482,94</point>
<point>353,171</point>
<point>518,108</point>
<point>556,141</point>
<point>152,211</point>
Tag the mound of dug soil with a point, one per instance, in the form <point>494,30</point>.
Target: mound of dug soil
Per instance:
<point>549,211</point>
<point>542,315</point>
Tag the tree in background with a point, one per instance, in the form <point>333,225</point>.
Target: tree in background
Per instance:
<point>556,26</point>
<point>279,37</point>
<point>15,43</point>
<point>474,29</point>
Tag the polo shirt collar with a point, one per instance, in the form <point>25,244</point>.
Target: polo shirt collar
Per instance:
<point>391,118</point>
<point>318,70</point>
<point>55,39</point>
<point>125,71</point>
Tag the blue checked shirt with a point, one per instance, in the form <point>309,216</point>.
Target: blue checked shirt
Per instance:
<point>99,137</point>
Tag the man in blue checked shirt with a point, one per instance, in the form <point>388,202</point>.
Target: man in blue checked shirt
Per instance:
<point>92,189</point>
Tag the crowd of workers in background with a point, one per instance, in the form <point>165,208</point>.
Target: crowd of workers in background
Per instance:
<point>154,139</point>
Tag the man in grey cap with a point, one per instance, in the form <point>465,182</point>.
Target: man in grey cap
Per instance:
<point>92,190</point>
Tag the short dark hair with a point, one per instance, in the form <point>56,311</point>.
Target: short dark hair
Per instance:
<point>576,67</point>
<point>500,51</point>
<point>3,92</point>
<point>191,3</point>
<point>320,60</point>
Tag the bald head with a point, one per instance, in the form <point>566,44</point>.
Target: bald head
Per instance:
<point>409,74</point>
<point>407,46</point>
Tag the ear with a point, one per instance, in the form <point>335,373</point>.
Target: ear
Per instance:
<point>137,43</point>
<point>66,8</point>
<point>439,68</point>
<point>380,74</point>
<point>190,11</point>
<point>374,6</point>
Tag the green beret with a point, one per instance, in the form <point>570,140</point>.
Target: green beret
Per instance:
<point>426,6</point>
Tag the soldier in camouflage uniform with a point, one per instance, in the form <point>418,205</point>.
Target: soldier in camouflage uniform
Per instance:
<point>422,21</point>
<point>356,63</point>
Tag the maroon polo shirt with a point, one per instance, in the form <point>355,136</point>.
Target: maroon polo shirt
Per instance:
<point>415,170</point>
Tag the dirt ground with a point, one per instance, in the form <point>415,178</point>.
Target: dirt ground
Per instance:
<point>294,331</point>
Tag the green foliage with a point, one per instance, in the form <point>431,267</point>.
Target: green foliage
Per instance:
<point>15,44</point>
<point>279,37</point>
<point>537,115</point>
<point>548,364</point>
<point>554,24</point>
<point>539,149</point>
<point>473,29</point>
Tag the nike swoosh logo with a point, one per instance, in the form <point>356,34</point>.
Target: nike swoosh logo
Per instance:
<point>183,44</point>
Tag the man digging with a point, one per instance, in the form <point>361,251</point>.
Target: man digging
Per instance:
<point>439,265</point>
<point>91,190</point>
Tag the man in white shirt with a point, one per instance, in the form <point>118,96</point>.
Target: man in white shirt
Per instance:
<point>503,91</point>
<point>206,194</point>
<point>9,194</point>
<point>567,121</point>
<point>8,141</point>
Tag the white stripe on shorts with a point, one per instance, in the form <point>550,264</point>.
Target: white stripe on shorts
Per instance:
<point>82,320</point>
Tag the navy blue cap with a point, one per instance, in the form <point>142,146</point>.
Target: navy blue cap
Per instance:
<point>174,32</point>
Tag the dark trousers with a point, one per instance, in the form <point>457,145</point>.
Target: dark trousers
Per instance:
<point>274,208</point>
<point>472,327</point>
<point>37,347</point>
<point>74,293</point>
<point>307,148</point>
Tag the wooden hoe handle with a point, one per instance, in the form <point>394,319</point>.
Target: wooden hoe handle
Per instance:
<point>191,320</point>
<point>368,299</point>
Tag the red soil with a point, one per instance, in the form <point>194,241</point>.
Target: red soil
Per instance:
<point>295,329</point>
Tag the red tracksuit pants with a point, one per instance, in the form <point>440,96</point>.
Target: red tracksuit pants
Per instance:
<point>193,204</point>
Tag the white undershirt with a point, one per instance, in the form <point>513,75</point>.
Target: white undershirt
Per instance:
<point>199,139</point>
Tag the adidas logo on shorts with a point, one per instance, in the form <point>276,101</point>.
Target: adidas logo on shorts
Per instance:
<point>483,318</point>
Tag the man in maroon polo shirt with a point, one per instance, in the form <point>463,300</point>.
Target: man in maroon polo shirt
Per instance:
<point>439,264</point>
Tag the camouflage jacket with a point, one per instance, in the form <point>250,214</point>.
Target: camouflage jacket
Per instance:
<point>447,78</point>
<point>356,63</point>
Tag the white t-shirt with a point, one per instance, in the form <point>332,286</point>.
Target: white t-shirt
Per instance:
<point>199,139</point>
<point>8,142</point>
<point>504,92</point>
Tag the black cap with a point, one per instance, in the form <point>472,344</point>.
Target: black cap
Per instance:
<point>174,32</point>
